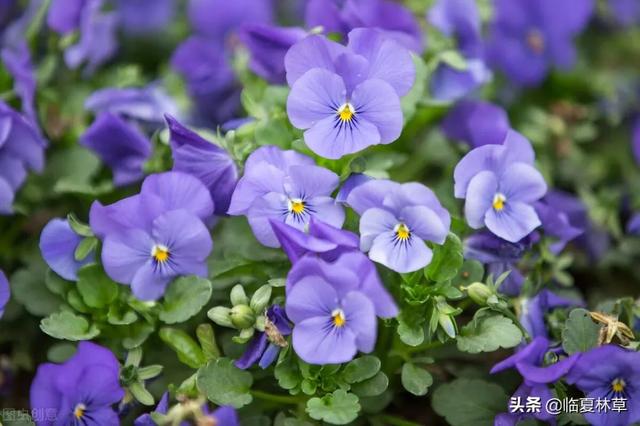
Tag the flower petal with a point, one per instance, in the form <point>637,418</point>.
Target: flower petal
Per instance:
<point>373,222</point>
<point>403,257</point>
<point>514,222</point>
<point>482,188</point>
<point>376,102</point>
<point>360,317</point>
<point>522,182</point>
<point>317,341</point>
<point>311,297</point>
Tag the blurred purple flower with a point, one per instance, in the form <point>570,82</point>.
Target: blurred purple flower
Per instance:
<point>284,186</point>
<point>145,16</point>
<point>153,237</point>
<point>556,222</point>
<point>265,347</point>
<point>17,60</point>
<point>633,227</point>
<point>396,220</point>
<point>635,141</point>
<point>81,391</point>
<point>449,84</point>
<point>120,145</point>
<point>21,149</point>
<point>353,181</point>
<point>534,309</point>
<point>609,371</point>
<point>500,183</point>
<point>268,45</point>
<point>529,361</point>
<point>5,294</point>
<point>476,123</point>
<point>220,19</point>
<point>626,12</point>
<point>64,16</point>
<point>58,243</point>
<point>337,16</point>
<point>529,37</point>
<point>333,319</point>
<point>205,160</point>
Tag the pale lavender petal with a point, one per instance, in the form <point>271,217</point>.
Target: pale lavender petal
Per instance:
<point>258,181</point>
<point>373,222</point>
<point>58,244</point>
<point>482,189</point>
<point>272,206</point>
<point>123,254</point>
<point>310,181</point>
<point>522,182</point>
<point>317,341</point>
<point>312,52</point>
<point>370,194</point>
<point>318,227</point>
<point>179,190</point>
<point>185,235</point>
<point>425,223</point>
<point>403,257</point>
<point>6,197</point>
<point>310,297</point>
<point>514,222</point>
<point>277,157</point>
<point>376,102</point>
<point>360,317</point>
<point>315,96</point>
<point>353,181</point>
<point>333,141</point>
<point>148,284</point>
<point>327,210</point>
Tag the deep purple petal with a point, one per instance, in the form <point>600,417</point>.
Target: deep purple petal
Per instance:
<point>5,292</point>
<point>477,123</point>
<point>296,243</point>
<point>253,352</point>
<point>226,416</point>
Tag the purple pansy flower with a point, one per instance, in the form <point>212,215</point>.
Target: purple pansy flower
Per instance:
<point>223,416</point>
<point>285,186</point>
<point>58,243</point>
<point>353,181</point>
<point>449,84</point>
<point>153,237</point>
<point>63,16</point>
<point>556,222</point>
<point>529,37</point>
<point>265,347</point>
<point>120,145</point>
<point>633,227</point>
<point>396,220</point>
<point>635,141</point>
<point>348,98</point>
<point>17,59</point>
<point>476,123</point>
<point>499,183</point>
<point>533,311</point>
<point>529,361</point>
<point>145,16</point>
<point>333,319</point>
<point>5,292</point>
<point>208,162</point>
<point>626,12</point>
<point>219,19</point>
<point>21,149</point>
<point>81,391</point>
<point>609,371</point>
<point>268,45</point>
<point>337,16</point>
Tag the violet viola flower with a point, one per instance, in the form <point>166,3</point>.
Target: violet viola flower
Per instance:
<point>5,292</point>
<point>141,17</point>
<point>529,361</point>
<point>268,45</point>
<point>626,12</point>
<point>633,227</point>
<point>556,222</point>
<point>120,145</point>
<point>348,98</point>
<point>534,309</point>
<point>153,237</point>
<point>81,391</point>
<point>609,371</point>
<point>396,220</point>
<point>499,183</point>
<point>529,37</point>
<point>285,186</point>
<point>208,162</point>
<point>63,16</point>
<point>396,21</point>
<point>353,181</point>
<point>58,243</point>
<point>265,347</point>
<point>333,319</point>
<point>17,60</point>
<point>476,123</point>
<point>21,149</point>
<point>635,141</point>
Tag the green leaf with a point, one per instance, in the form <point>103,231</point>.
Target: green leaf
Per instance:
<point>360,369</point>
<point>580,333</point>
<point>68,326</point>
<point>56,284</point>
<point>150,371</point>
<point>337,408</point>
<point>28,287</point>
<point>488,334</point>
<point>141,394</point>
<point>447,260</point>
<point>471,271</point>
<point>225,384</point>
<point>454,59</point>
<point>287,374</point>
<point>469,402</point>
<point>412,335</point>
<point>371,387</point>
<point>95,287</point>
<point>60,352</point>
<point>188,350</point>
<point>85,247</point>
<point>416,380</point>
<point>121,315</point>
<point>185,297</point>
<point>207,338</point>
<point>79,227</point>
<point>410,101</point>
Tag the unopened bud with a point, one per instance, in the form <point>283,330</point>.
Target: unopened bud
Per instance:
<point>479,293</point>
<point>242,316</point>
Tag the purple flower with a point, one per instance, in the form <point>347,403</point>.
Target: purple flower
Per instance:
<point>5,292</point>
<point>499,183</point>
<point>395,20</point>
<point>146,105</point>
<point>97,42</point>
<point>449,84</point>
<point>529,361</point>
<point>556,222</point>
<point>633,227</point>
<point>476,123</point>
<point>533,311</point>
<point>268,46</point>
<point>17,59</point>
<point>609,371</point>
<point>223,416</point>
<point>120,145</point>
<point>21,149</point>
<point>153,237</point>
<point>64,15</point>
<point>396,220</point>
<point>284,186</point>
<point>635,141</point>
<point>81,391</point>
<point>145,16</point>
<point>529,37</point>
<point>58,243</point>
<point>353,181</point>
<point>218,19</point>
<point>333,319</point>
<point>208,162</point>
<point>626,12</point>
<point>162,408</point>
<point>265,347</point>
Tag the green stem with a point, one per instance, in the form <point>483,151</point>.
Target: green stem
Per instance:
<point>396,421</point>
<point>280,399</point>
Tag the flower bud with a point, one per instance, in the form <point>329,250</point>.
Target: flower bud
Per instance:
<point>238,296</point>
<point>260,298</point>
<point>242,316</point>
<point>447,325</point>
<point>221,316</point>
<point>479,292</point>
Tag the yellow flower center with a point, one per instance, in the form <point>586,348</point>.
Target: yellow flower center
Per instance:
<point>160,253</point>
<point>79,411</point>
<point>346,112</point>
<point>296,206</point>
<point>402,231</point>
<point>535,40</point>
<point>499,201</point>
<point>618,385</point>
<point>338,318</point>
